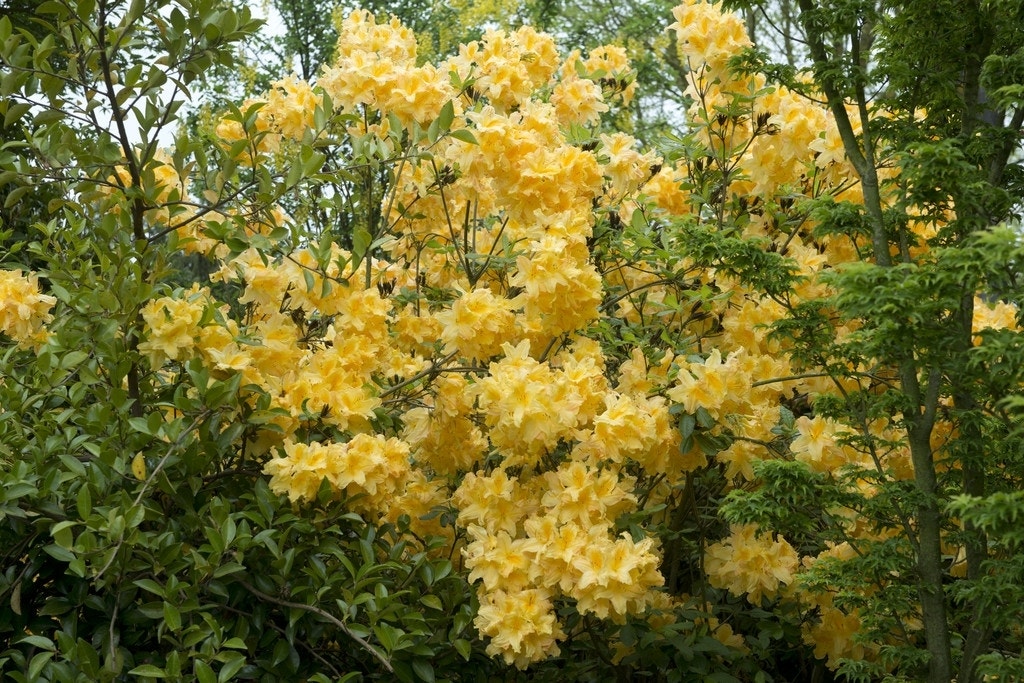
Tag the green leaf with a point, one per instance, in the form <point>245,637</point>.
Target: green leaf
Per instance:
<point>15,110</point>
<point>148,670</point>
<point>234,662</point>
<point>687,422</point>
<point>432,601</point>
<point>204,672</point>
<point>387,635</point>
<point>447,115</point>
<point>15,195</point>
<point>172,617</point>
<point>465,135</point>
<point>361,239</point>
<point>39,662</point>
<point>150,586</point>
<point>36,641</point>
<point>423,670</point>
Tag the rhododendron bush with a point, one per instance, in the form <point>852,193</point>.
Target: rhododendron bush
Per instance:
<point>545,400</point>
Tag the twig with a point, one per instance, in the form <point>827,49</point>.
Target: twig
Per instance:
<point>280,630</point>
<point>325,615</point>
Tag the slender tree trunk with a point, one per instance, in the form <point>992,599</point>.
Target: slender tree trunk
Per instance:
<point>921,418</point>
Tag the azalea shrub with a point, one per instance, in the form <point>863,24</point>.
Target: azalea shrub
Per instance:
<point>540,400</point>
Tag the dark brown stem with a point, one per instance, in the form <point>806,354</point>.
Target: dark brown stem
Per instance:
<point>327,616</point>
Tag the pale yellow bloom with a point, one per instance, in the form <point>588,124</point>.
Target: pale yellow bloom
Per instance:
<point>24,311</point>
<point>751,565</point>
<point>521,625</point>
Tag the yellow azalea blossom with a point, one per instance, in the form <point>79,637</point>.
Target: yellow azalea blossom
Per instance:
<point>751,565</point>
<point>817,445</point>
<point>24,311</point>
<point>615,577</point>
<point>527,406</point>
<point>706,35</point>
<point>419,500</point>
<point>498,560</point>
<point>665,190</point>
<point>577,493</point>
<point>1000,315</point>
<point>578,101</point>
<point>626,428</point>
<point>477,324</point>
<point>495,502</point>
<point>172,326</point>
<point>442,434</point>
<point>290,106</point>
<point>521,625</point>
<point>626,168</point>
<point>369,470</point>
<point>833,636</point>
<point>718,387</point>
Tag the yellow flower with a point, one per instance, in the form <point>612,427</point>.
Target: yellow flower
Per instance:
<point>496,502</point>
<point>291,104</point>
<point>577,493</point>
<point>833,636</point>
<point>816,445</point>
<point>555,546</point>
<point>615,577</point>
<point>369,470</point>
<point>521,625</point>
<point>527,407</point>
<point>706,35</point>
<point>749,565</point>
<point>993,316</point>
<point>718,387</point>
<point>579,101</point>
<point>626,168</point>
<point>626,428</point>
<point>561,294</point>
<point>419,94</point>
<point>172,325</point>
<point>499,561</point>
<point>477,324</point>
<point>23,310</point>
<point>442,433</point>
<point>419,500</point>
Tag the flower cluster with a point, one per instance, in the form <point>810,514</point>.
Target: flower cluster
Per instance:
<point>285,112</point>
<point>172,325</point>
<point>706,36</point>
<point>368,470</point>
<point>751,565</point>
<point>24,311</point>
<point>376,68</point>
<point>561,545</point>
